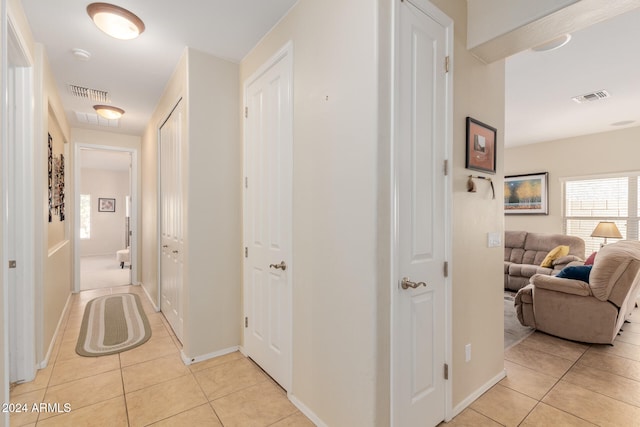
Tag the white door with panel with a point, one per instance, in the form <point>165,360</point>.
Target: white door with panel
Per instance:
<point>268,217</point>
<point>419,393</point>
<point>171,219</point>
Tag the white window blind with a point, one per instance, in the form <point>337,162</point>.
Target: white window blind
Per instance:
<point>85,216</point>
<point>591,200</point>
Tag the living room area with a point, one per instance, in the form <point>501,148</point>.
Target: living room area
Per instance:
<point>583,152</point>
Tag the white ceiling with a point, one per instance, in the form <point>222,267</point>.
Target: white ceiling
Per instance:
<point>539,86</point>
<point>135,72</point>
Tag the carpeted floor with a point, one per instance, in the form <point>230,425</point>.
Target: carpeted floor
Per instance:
<point>102,272</point>
<point>514,332</point>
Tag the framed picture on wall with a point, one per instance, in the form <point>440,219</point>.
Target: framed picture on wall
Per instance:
<point>481,146</point>
<point>526,194</point>
<point>106,205</point>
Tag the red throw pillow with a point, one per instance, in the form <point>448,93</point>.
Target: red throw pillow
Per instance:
<point>591,258</point>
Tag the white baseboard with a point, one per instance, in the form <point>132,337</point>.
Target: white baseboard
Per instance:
<point>43,364</point>
<point>189,360</point>
<point>306,411</point>
<point>153,303</point>
<point>476,394</point>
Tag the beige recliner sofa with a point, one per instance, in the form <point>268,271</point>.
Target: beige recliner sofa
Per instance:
<point>524,252</point>
<point>590,312</point>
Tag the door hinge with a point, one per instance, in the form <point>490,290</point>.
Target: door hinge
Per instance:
<point>446,167</point>
<point>246,252</point>
<point>446,64</point>
<point>246,182</point>
<point>446,269</point>
<point>246,322</point>
<point>446,371</point>
<point>12,263</point>
<point>246,112</point>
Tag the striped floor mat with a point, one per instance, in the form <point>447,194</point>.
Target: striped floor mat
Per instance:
<point>112,324</point>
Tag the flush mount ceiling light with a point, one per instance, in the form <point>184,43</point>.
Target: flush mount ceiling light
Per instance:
<point>556,43</point>
<point>115,21</point>
<point>81,54</point>
<point>108,111</point>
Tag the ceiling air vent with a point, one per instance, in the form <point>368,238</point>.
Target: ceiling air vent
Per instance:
<point>589,97</point>
<point>88,93</point>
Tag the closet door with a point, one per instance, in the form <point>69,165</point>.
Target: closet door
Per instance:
<point>171,220</point>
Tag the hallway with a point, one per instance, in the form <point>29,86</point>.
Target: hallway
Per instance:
<point>149,385</point>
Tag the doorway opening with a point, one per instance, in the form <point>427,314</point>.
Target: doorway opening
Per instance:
<point>105,218</point>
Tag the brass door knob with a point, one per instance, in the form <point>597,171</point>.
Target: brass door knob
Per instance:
<point>406,283</point>
<point>282,266</point>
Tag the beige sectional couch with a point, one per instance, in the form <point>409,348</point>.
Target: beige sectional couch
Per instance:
<point>592,311</point>
<point>524,252</point>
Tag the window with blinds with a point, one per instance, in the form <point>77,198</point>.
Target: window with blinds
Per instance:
<point>591,200</point>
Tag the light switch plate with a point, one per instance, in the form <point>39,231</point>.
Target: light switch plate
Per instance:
<point>494,240</point>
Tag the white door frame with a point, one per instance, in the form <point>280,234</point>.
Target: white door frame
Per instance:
<point>285,52</point>
<point>18,138</point>
<point>436,14</point>
<point>133,222</point>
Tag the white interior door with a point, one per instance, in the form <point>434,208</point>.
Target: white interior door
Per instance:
<point>267,226</point>
<point>171,220</point>
<point>19,217</point>
<point>419,298</point>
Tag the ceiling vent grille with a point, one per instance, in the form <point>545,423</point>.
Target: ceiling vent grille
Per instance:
<point>590,97</point>
<point>88,93</point>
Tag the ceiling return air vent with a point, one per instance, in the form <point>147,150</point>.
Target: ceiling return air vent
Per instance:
<point>590,97</point>
<point>88,93</point>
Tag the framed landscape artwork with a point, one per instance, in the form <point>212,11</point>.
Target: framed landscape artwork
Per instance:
<point>526,194</point>
<point>481,146</point>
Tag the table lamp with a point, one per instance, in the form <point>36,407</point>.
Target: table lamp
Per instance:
<point>606,229</point>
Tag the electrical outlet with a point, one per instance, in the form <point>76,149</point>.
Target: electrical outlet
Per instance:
<point>494,240</point>
<point>467,353</point>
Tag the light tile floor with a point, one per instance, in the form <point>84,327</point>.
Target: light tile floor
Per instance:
<point>554,382</point>
<point>150,385</point>
<point>550,382</point>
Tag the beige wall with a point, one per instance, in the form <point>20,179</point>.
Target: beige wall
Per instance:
<point>212,206</point>
<point>53,269</point>
<point>602,153</point>
<point>214,213</point>
<point>107,228</point>
<point>334,203</point>
<point>477,270</point>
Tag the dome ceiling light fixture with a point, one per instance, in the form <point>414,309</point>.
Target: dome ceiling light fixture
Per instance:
<point>115,21</point>
<point>108,111</point>
<point>554,44</point>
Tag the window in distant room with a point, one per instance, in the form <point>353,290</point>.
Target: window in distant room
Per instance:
<point>587,201</point>
<point>85,216</point>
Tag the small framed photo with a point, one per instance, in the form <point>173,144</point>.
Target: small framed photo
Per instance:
<point>106,205</point>
<point>481,146</point>
<point>526,194</point>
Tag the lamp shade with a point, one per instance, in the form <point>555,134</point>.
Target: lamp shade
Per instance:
<point>607,229</point>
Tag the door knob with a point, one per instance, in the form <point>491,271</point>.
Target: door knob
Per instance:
<point>406,283</point>
<point>282,266</point>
